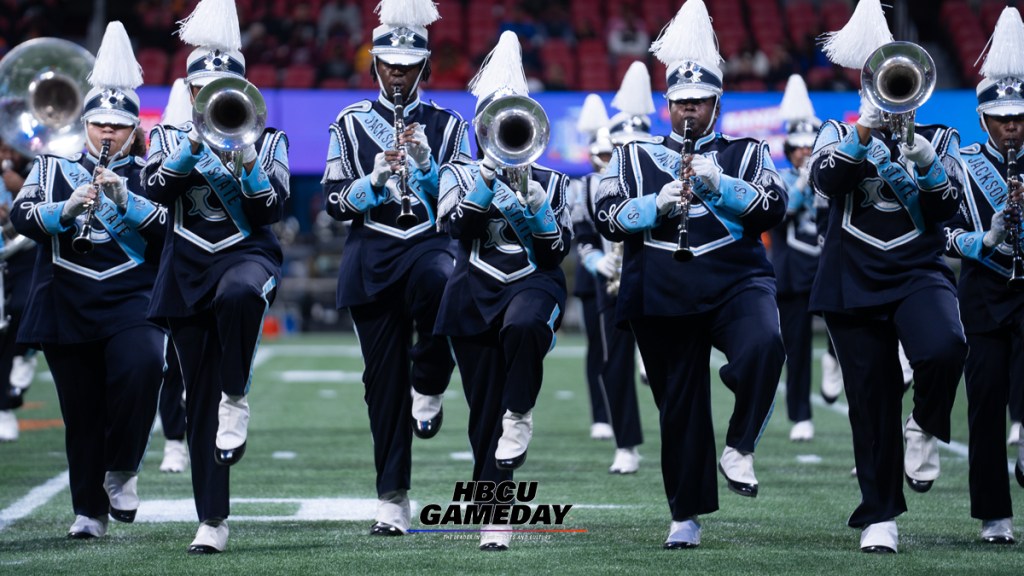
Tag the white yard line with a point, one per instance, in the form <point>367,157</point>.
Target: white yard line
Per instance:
<point>36,497</point>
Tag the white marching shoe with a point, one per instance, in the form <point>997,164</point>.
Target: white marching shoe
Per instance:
<point>1014,436</point>
<point>23,371</point>
<point>627,461</point>
<point>393,514</point>
<point>685,534</point>
<point>85,528</point>
<point>232,429</point>
<point>175,456</point>
<point>8,426</point>
<point>517,430</point>
<point>921,457</point>
<point>802,431</point>
<point>879,538</point>
<point>831,378</point>
<point>997,531</point>
<point>211,538</point>
<point>427,414</point>
<point>738,469</point>
<point>122,490</point>
<point>494,538</point>
<point>601,431</point>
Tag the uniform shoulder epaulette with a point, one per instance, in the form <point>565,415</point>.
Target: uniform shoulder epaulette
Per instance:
<point>972,149</point>
<point>361,106</point>
<point>443,109</point>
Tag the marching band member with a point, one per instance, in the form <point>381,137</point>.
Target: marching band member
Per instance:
<point>593,122</point>
<point>382,154</point>
<point>794,254</point>
<point>17,361</point>
<point>986,236</point>
<point>505,299</point>
<point>220,266</point>
<point>90,290</point>
<point>723,297</point>
<point>881,281</point>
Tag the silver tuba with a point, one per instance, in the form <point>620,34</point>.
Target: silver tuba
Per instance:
<point>898,78</point>
<point>230,114</point>
<point>42,89</point>
<point>513,131</point>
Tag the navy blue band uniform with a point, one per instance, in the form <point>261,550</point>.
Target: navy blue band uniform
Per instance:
<point>794,254</point>
<point>506,297</point>
<point>724,297</point>
<point>617,345</point>
<point>219,270</point>
<point>19,258</point>
<point>881,281</point>
<point>993,320</point>
<point>88,313</point>
<point>392,277</point>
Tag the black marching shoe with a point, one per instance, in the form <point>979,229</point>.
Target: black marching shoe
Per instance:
<point>510,463</point>
<point>229,457</point>
<point>1019,474</point>
<point>428,428</point>
<point>122,515</point>
<point>383,529</point>
<point>919,486</point>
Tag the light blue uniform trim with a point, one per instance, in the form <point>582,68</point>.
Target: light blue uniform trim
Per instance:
<point>970,245</point>
<point>542,222</point>
<point>590,261</point>
<point>226,187</point>
<point>482,195</point>
<point>363,196</point>
<point>255,183</point>
<point>137,210</point>
<point>49,216</point>
<point>270,284</point>
<point>739,198</point>
<point>850,146</point>
<point>638,214</point>
<point>127,237</point>
<point>934,178</point>
<point>764,425</point>
<point>182,160</point>
<point>427,180</point>
<point>551,325</point>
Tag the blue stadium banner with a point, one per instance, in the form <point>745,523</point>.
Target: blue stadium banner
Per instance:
<point>305,115</point>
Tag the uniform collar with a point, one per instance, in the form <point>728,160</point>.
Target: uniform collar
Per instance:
<point>409,107</point>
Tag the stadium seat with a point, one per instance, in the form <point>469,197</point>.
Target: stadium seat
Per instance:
<point>154,62</point>
<point>262,75</point>
<point>299,76</point>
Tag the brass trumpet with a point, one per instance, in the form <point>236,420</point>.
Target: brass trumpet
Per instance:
<point>230,114</point>
<point>898,78</point>
<point>513,131</point>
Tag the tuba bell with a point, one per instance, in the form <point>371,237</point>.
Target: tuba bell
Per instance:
<point>898,78</point>
<point>513,131</point>
<point>230,114</point>
<point>42,86</point>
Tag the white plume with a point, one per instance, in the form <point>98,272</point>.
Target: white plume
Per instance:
<point>796,104</point>
<point>689,36</point>
<point>213,24</point>
<point>407,13</point>
<point>866,31</point>
<point>634,95</point>
<point>1005,56</point>
<point>179,105</point>
<point>593,115</point>
<point>503,68</point>
<point>116,66</point>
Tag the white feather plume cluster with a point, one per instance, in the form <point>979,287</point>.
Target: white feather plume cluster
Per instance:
<point>116,66</point>
<point>796,103</point>
<point>503,68</point>
<point>593,115</point>
<point>179,105</point>
<point>634,95</point>
<point>1005,49</point>
<point>407,13</point>
<point>213,24</point>
<point>689,36</point>
<point>866,31</point>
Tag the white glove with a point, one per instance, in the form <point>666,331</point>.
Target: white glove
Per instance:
<point>669,196</point>
<point>77,203</point>
<point>707,170</point>
<point>536,196</point>
<point>922,153</point>
<point>997,233</point>
<point>418,149</point>
<point>803,177</point>
<point>194,136</point>
<point>607,265</point>
<point>113,187</point>
<point>870,115</point>
<point>381,170</point>
<point>488,169</point>
<point>249,154</point>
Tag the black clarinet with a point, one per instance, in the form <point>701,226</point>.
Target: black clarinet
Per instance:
<point>407,218</point>
<point>82,243</point>
<point>1013,231</point>
<point>683,252</point>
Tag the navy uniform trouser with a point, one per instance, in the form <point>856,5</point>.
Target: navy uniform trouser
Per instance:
<point>108,394</point>
<point>989,372</point>
<point>172,407</point>
<point>618,381</point>
<point>394,363</point>
<point>797,335</point>
<point>677,351</point>
<point>1016,400</point>
<point>593,360</point>
<point>502,369</point>
<point>216,348</point>
<point>867,346</point>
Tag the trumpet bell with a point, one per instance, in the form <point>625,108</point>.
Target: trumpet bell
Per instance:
<point>898,77</point>
<point>513,130</point>
<point>42,88</point>
<point>230,114</point>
